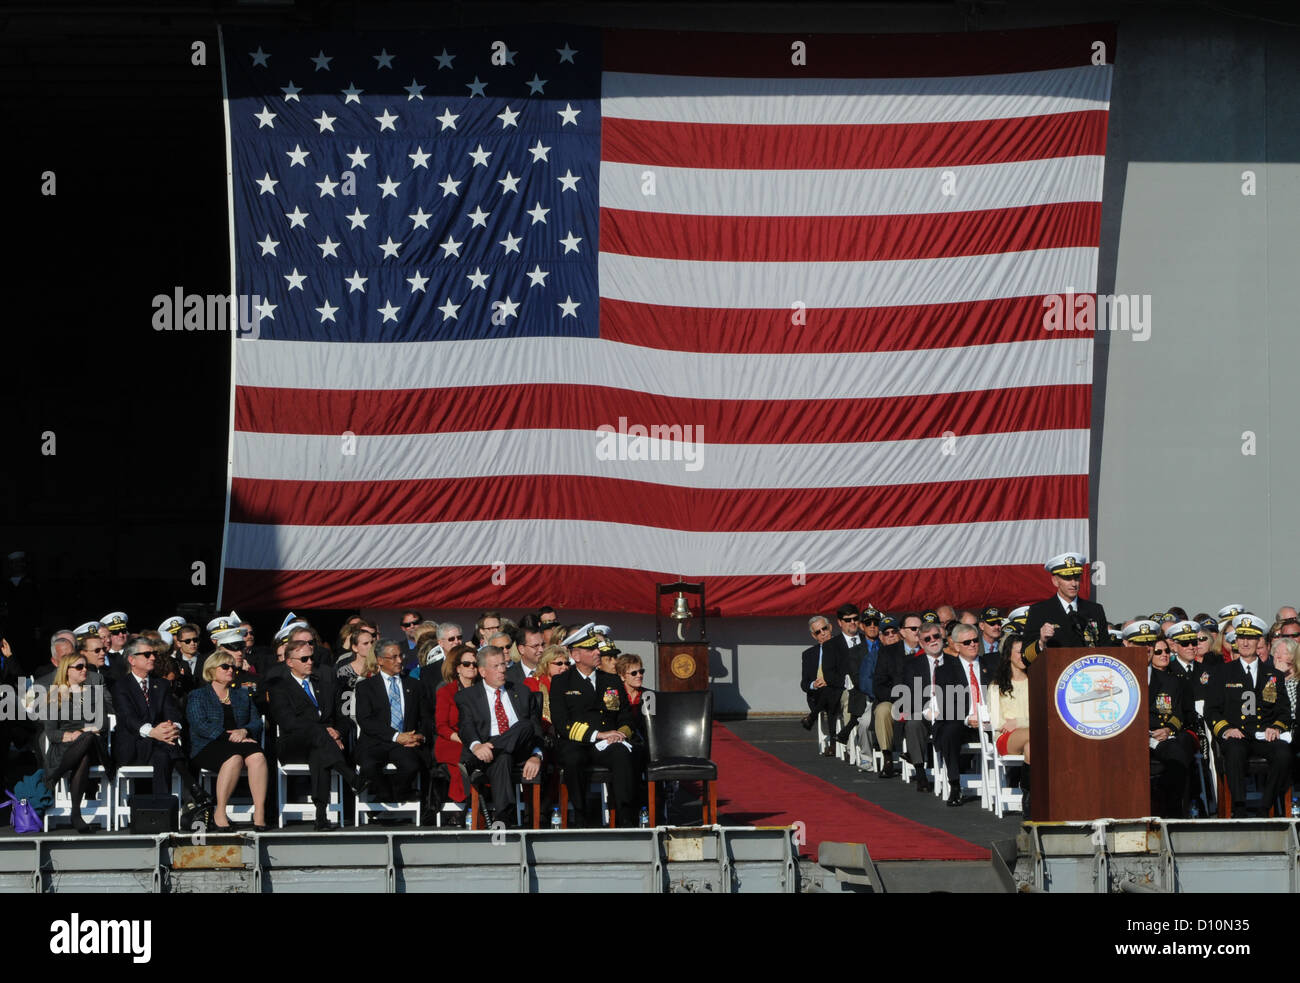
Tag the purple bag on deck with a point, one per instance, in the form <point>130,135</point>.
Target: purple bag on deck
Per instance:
<point>26,819</point>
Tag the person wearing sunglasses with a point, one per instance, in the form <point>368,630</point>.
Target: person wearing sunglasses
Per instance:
<point>76,732</point>
<point>410,623</point>
<point>554,662</point>
<point>821,677</point>
<point>964,683</point>
<point>305,701</point>
<point>226,732</point>
<point>149,724</point>
<point>1169,709</point>
<point>893,669</point>
<point>458,671</point>
<point>850,646</point>
<point>923,702</point>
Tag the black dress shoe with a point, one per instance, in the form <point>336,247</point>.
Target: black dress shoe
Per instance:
<point>887,771</point>
<point>260,829</point>
<point>954,797</point>
<point>324,824</point>
<point>807,722</point>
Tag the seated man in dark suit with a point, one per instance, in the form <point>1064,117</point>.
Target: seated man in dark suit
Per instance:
<point>923,697</point>
<point>822,678</point>
<point>500,726</point>
<point>305,707</point>
<point>592,721</point>
<point>149,724</point>
<point>389,715</point>
<point>964,683</point>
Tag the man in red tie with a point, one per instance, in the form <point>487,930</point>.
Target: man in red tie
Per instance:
<point>964,684</point>
<point>500,726</point>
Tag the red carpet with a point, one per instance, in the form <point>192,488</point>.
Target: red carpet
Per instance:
<point>758,789</point>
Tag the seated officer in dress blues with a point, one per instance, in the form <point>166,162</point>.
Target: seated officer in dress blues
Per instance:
<point>1248,711</point>
<point>1065,620</point>
<point>1168,710</point>
<point>593,722</point>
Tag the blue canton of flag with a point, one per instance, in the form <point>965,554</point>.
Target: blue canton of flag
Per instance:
<point>415,187</point>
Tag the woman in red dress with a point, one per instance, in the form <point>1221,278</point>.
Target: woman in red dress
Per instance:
<point>459,671</point>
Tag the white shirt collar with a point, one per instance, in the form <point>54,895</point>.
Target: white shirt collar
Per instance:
<point>387,677</point>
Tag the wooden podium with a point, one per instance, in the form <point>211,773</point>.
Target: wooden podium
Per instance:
<point>1088,733</point>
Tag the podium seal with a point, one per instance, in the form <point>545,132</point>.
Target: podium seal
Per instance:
<point>1097,696</point>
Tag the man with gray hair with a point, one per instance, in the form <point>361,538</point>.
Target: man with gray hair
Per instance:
<point>449,636</point>
<point>61,643</point>
<point>822,678</point>
<point>964,683</point>
<point>149,724</point>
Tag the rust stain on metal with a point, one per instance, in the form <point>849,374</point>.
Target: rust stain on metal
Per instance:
<point>207,857</point>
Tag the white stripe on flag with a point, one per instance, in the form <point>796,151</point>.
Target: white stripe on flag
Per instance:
<point>507,453</point>
<point>886,283</point>
<point>567,542</point>
<point>816,101</point>
<point>348,366</point>
<point>893,191</point>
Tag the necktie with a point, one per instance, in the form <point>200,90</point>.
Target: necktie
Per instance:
<point>394,705</point>
<point>311,696</point>
<point>974,684</point>
<point>144,688</point>
<point>820,677</point>
<point>503,722</point>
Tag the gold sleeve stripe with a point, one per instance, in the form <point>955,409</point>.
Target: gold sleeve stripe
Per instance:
<point>1178,724</point>
<point>625,730</point>
<point>577,731</point>
<point>1221,725</point>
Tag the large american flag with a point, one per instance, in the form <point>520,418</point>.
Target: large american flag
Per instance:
<point>822,258</point>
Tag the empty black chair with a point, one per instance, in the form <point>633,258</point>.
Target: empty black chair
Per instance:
<point>679,730</point>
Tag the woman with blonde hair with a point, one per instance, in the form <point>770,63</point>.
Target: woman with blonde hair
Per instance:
<point>362,664</point>
<point>76,731</point>
<point>226,733</point>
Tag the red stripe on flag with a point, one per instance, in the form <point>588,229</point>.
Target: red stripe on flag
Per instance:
<point>749,331</point>
<point>616,589</point>
<point>853,147</point>
<point>849,238</point>
<point>558,497</point>
<point>725,421</point>
<point>738,55</point>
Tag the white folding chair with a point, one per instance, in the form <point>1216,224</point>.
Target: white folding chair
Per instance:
<point>970,781</point>
<point>1001,796</point>
<point>241,809</point>
<point>100,807</point>
<point>299,809</point>
<point>366,806</point>
<point>126,774</point>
